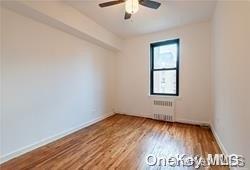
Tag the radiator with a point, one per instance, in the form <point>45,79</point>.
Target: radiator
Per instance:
<point>163,110</point>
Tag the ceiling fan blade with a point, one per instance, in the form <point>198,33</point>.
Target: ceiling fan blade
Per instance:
<point>150,4</point>
<point>127,15</point>
<point>110,3</point>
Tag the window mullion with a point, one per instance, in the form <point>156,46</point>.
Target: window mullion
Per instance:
<point>164,69</point>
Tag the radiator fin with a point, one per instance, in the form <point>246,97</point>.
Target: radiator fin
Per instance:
<point>168,118</point>
<point>163,103</point>
<point>163,110</point>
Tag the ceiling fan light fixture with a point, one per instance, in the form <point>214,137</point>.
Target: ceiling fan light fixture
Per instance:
<point>131,6</point>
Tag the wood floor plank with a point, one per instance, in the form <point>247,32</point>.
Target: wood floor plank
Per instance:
<point>119,142</point>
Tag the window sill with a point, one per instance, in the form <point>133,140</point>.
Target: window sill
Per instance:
<point>165,96</point>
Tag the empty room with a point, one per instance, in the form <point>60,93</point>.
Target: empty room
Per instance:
<point>124,84</point>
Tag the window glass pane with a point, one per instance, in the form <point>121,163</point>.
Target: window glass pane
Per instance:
<point>165,56</point>
<point>165,82</point>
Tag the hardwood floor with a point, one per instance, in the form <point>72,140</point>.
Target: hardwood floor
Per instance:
<point>119,142</point>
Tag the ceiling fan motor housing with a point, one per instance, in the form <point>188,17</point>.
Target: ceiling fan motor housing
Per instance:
<point>132,6</point>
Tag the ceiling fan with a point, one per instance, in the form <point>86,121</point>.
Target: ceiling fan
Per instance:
<point>132,6</point>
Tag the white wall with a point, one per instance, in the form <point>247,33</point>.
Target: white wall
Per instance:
<point>75,23</point>
<point>55,82</point>
<point>231,80</point>
<point>52,82</point>
<point>194,104</point>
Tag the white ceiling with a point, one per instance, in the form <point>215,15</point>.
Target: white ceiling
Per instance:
<point>172,13</point>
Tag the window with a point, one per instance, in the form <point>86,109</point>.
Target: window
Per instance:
<point>164,72</point>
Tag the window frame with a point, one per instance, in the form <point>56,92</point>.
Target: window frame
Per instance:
<point>152,70</point>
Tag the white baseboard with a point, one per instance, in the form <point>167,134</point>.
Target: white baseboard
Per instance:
<point>222,147</point>
<point>50,139</point>
<point>186,121</point>
<point>137,115</point>
<point>192,122</point>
